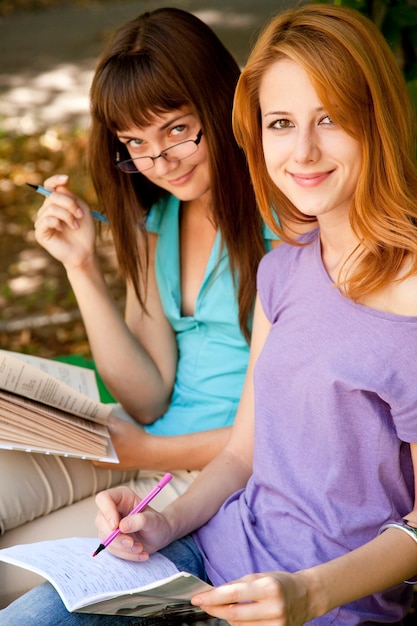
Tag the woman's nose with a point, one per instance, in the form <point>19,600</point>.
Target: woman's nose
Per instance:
<point>162,165</point>
<point>306,148</point>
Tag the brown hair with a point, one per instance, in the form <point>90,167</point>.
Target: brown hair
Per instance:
<point>361,87</point>
<point>160,61</point>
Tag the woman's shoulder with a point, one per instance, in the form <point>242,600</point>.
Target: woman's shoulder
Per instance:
<point>287,252</point>
<point>278,269</point>
<point>399,297</point>
<point>403,294</point>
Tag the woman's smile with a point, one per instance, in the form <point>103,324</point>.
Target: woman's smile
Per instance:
<point>310,180</point>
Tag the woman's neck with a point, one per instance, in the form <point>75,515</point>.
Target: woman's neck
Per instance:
<point>200,208</point>
<point>339,249</point>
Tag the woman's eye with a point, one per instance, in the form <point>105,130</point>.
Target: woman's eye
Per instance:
<point>178,130</point>
<point>135,143</point>
<point>282,124</point>
<point>326,119</point>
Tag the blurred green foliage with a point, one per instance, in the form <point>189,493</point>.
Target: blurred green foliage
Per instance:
<point>397,20</point>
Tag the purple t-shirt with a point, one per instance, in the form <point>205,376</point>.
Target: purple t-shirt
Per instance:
<point>336,402</point>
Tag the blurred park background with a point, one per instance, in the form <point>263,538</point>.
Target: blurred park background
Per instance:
<point>48,50</point>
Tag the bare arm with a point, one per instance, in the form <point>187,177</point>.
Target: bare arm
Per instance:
<point>225,474</point>
<point>138,367</point>
<point>231,469</point>
<point>380,564</point>
<point>138,449</point>
<point>294,599</point>
<point>136,357</point>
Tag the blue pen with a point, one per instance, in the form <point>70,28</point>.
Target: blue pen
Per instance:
<point>47,192</point>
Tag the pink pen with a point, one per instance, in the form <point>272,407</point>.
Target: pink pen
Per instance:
<point>138,508</point>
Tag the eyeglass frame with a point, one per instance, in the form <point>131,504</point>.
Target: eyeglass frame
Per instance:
<point>118,163</point>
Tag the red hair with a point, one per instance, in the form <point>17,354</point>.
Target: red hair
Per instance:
<point>361,87</point>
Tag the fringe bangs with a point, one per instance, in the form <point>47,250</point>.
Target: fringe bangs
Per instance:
<point>129,92</point>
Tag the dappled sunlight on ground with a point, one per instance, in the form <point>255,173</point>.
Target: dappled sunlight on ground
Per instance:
<point>47,58</point>
<point>59,96</point>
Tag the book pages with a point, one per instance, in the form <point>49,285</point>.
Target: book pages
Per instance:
<point>52,407</point>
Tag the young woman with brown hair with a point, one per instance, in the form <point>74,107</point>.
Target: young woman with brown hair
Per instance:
<point>176,191</point>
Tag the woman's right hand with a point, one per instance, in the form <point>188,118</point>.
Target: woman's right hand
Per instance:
<point>141,534</point>
<point>64,225</point>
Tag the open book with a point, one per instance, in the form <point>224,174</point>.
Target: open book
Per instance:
<point>52,407</point>
<point>106,584</point>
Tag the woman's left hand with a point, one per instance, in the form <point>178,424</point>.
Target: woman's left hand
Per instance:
<point>129,441</point>
<point>274,599</point>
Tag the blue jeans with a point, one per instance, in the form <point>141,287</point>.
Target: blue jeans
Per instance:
<point>43,605</point>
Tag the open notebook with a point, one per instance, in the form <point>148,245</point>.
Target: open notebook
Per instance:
<point>106,584</point>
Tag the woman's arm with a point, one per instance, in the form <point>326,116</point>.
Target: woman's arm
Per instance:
<point>138,449</point>
<point>294,599</point>
<point>226,473</point>
<point>138,368</point>
<point>231,469</point>
<point>136,357</point>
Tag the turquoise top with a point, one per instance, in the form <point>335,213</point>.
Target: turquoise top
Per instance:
<point>212,352</point>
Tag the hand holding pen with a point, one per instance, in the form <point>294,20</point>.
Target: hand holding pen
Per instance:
<point>64,226</point>
<point>137,509</point>
<point>47,192</point>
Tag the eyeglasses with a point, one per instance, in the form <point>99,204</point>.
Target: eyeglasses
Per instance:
<point>174,153</point>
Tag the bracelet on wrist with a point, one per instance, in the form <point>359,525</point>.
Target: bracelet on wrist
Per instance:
<point>405,527</point>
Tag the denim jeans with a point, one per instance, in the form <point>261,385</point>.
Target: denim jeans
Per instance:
<point>43,605</point>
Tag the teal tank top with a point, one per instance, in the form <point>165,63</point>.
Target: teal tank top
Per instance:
<point>212,352</point>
